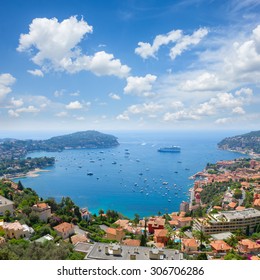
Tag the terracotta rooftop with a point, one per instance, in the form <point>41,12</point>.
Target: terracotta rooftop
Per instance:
<point>132,242</point>
<point>64,227</point>
<point>113,230</point>
<point>78,238</point>
<point>41,205</point>
<point>122,223</point>
<point>190,242</point>
<point>257,202</point>
<point>157,221</point>
<point>220,245</point>
<point>232,204</point>
<point>239,208</point>
<point>255,258</point>
<point>160,232</point>
<point>249,243</point>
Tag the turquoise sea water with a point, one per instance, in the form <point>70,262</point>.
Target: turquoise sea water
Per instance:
<point>133,177</point>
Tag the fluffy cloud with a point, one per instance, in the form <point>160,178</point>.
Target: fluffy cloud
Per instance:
<point>141,86</point>
<point>246,56</point>
<point>205,81</point>
<point>123,117</point>
<point>187,41</point>
<point>238,110</point>
<point>101,63</point>
<point>52,39</point>
<point>56,46</point>
<point>6,80</point>
<point>17,112</point>
<point>74,105</point>
<point>182,42</point>
<point>36,72</point>
<point>146,49</point>
<point>114,96</point>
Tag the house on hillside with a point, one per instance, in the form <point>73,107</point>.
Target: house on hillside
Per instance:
<point>220,246</point>
<point>161,236</point>
<point>189,245</point>
<point>248,246</point>
<point>16,230</point>
<point>65,230</point>
<point>42,210</point>
<point>117,234</point>
<point>155,223</point>
<point>6,204</point>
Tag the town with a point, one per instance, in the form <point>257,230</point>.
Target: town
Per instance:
<point>221,221</point>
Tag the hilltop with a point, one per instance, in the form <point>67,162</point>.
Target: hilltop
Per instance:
<point>248,143</point>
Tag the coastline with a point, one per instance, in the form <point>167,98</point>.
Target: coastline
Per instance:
<point>32,174</point>
<point>251,154</point>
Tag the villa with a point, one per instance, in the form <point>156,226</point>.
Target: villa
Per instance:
<point>42,210</point>
<point>65,230</point>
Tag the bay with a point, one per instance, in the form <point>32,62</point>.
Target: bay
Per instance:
<point>132,177</point>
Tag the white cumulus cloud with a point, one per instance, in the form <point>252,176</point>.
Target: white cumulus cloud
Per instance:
<point>6,80</point>
<point>146,49</point>
<point>238,110</point>
<point>205,81</point>
<point>114,96</point>
<point>182,43</point>
<point>141,86</point>
<point>186,41</point>
<point>74,105</point>
<point>30,109</point>
<point>55,45</point>
<point>123,117</point>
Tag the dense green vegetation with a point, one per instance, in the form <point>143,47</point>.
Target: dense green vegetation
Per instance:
<point>22,166</point>
<point>26,250</point>
<point>246,142</point>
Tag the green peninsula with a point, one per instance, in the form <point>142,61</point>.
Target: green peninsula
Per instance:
<point>248,143</point>
<point>13,151</point>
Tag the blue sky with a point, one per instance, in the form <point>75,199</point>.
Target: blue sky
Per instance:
<point>124,65</point>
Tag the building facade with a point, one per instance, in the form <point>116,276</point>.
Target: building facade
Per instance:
<point>244,220</point>
<point>42,210</point>
<point>6,205</point>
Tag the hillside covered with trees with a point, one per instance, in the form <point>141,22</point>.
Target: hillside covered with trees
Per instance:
<point>247,143</point>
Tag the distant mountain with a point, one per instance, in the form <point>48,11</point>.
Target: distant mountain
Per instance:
<point>13,148</point>
<point>246,143</point>
<point>83,139</point>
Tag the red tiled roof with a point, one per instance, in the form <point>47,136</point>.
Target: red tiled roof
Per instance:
<point>64,227</point>
<point>160,232</point>
<point>190,242</point>
<point>220,245</point>
<point>132,242</point>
